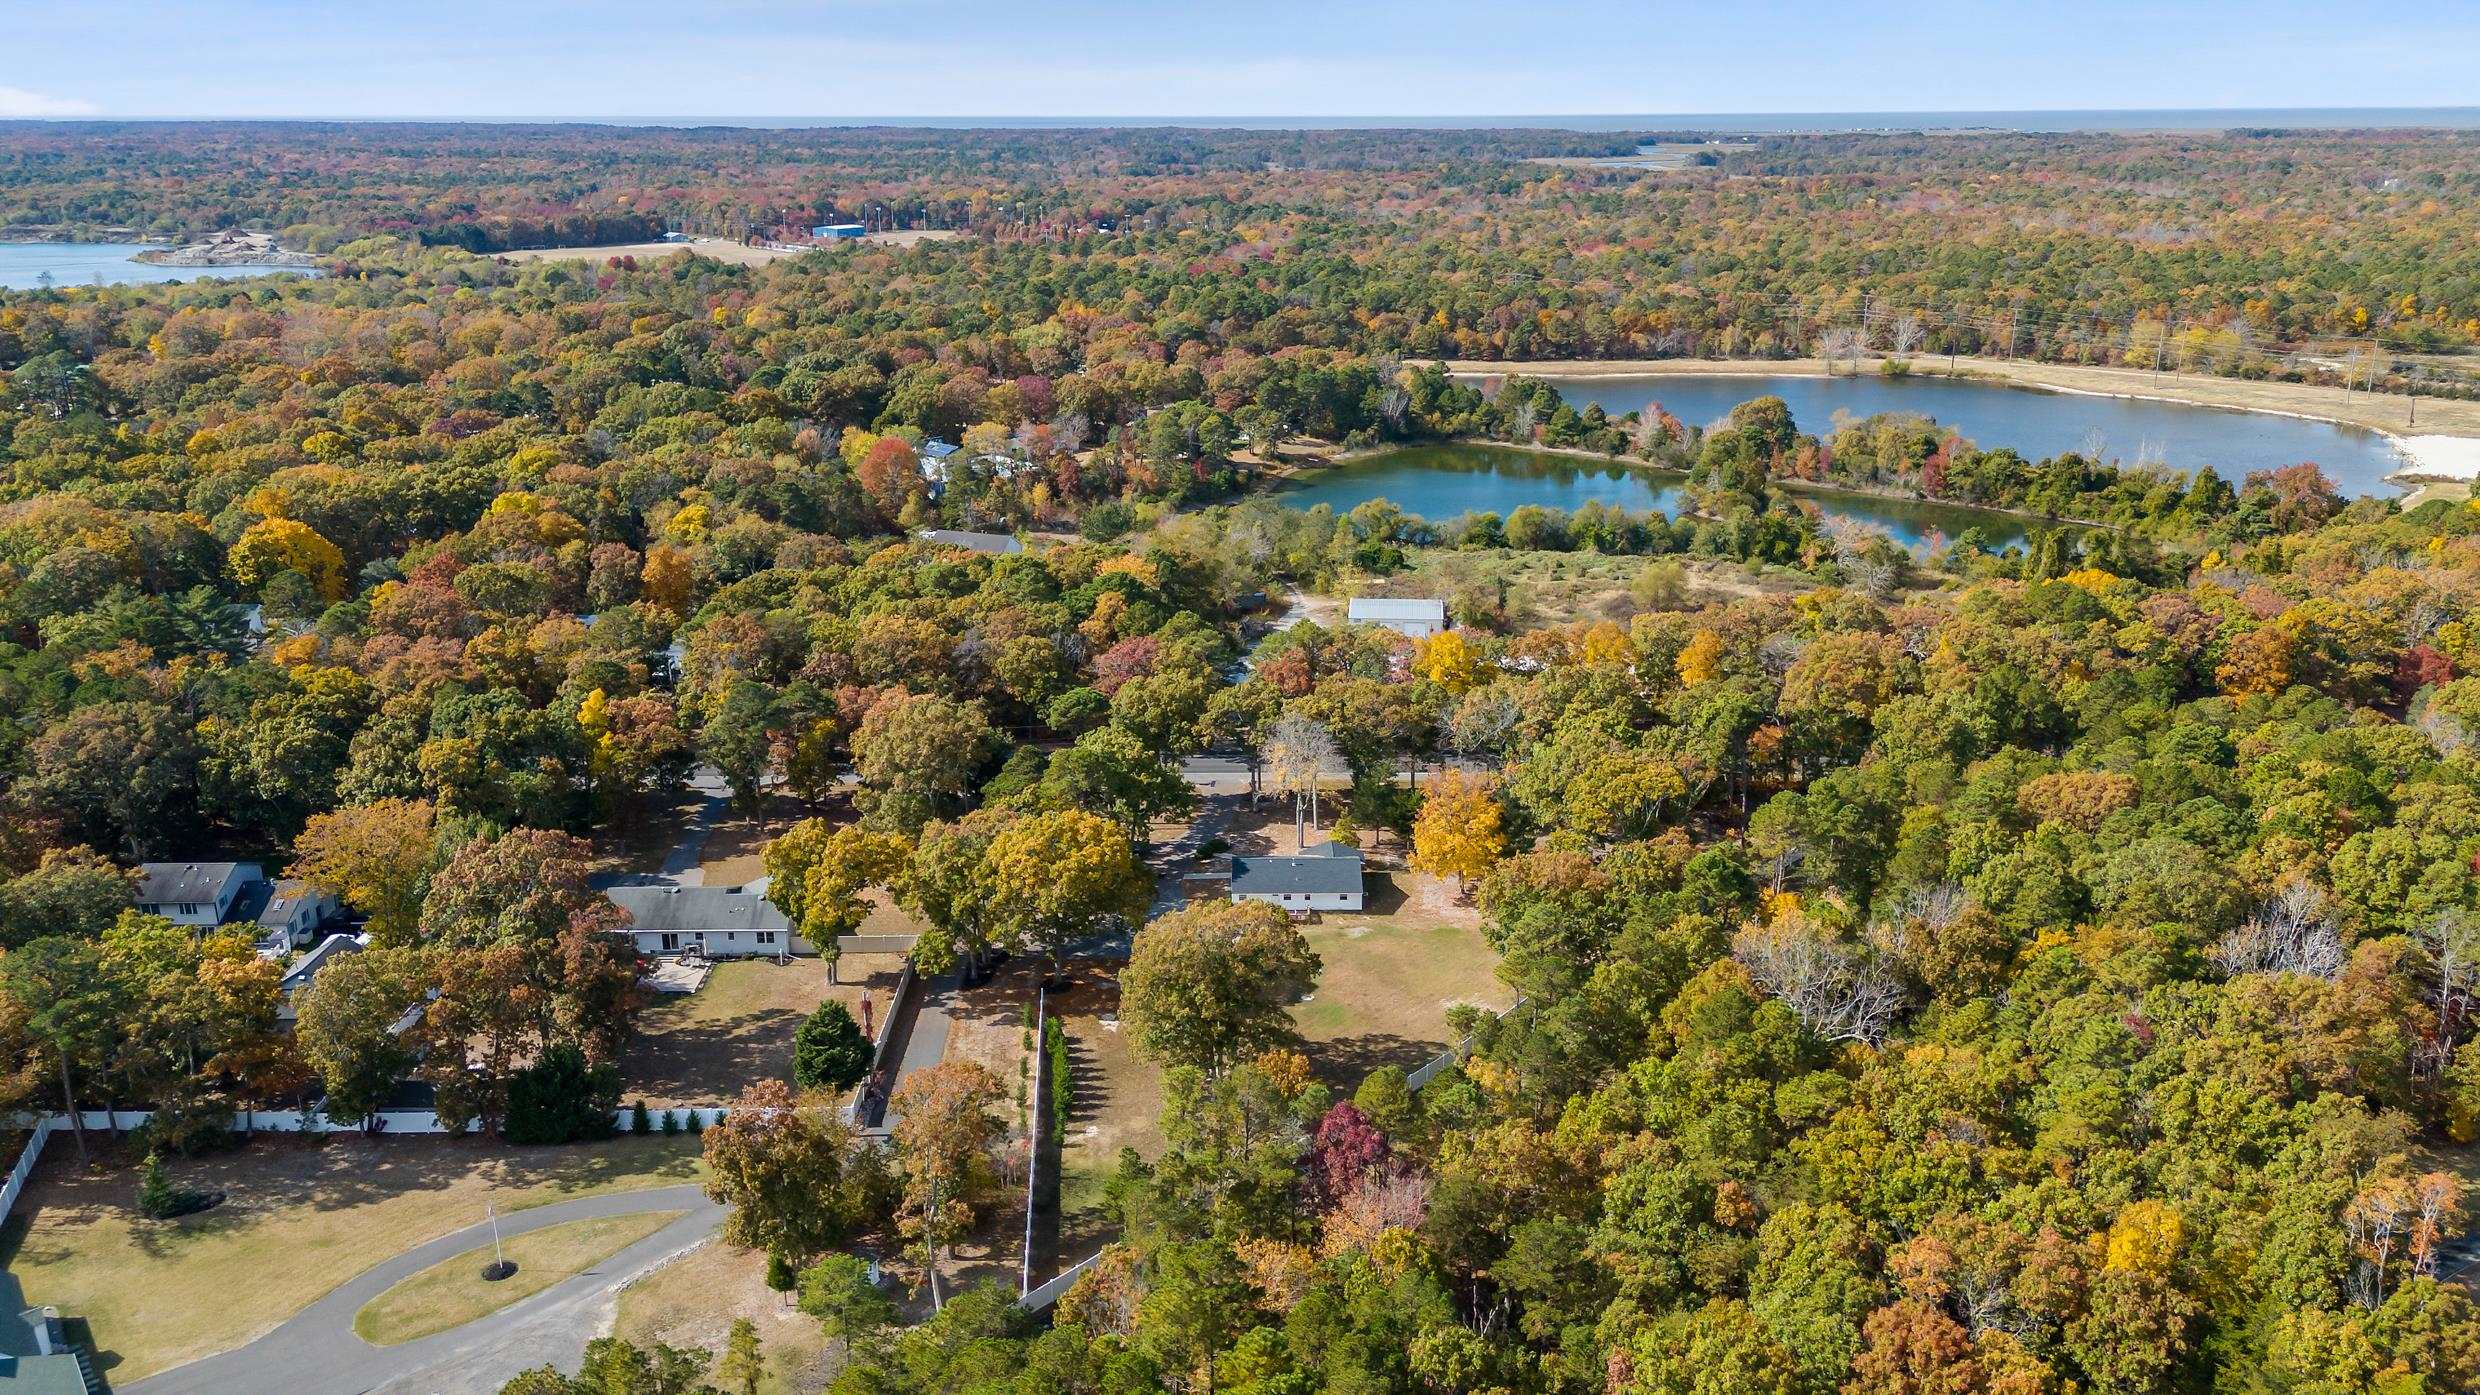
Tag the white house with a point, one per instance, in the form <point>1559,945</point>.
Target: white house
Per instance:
<point>294,911</point>
<point>934,455</point>
<point>202,894</point>
<point>1324,878</point>
<point>1416,618</point>
<point>720,922</point>
<point>994,544</point>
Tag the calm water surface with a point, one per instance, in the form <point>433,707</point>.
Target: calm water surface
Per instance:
<point>2034,423</point>
<point>23,266</point>
<point>1440,482</point>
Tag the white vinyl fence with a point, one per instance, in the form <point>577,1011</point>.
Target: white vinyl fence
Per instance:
<point>25,1167</point>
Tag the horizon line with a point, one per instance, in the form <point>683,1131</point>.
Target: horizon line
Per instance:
<point>1021,120</point>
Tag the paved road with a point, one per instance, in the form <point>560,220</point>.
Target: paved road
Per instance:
<point>315,1352</point>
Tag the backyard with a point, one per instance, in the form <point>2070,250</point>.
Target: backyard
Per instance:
<point>706,1047</point>
<point>302,1215</point>
<point>1390,975</point>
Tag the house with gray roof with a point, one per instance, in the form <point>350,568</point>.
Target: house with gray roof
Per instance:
<point>202,894</point>
<point>1414,617</point>
<point>719,922</point>
<point>293,914</point>
<point>1324,878</point>
<point>995,544</point>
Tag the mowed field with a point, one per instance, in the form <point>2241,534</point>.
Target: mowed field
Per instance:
<point>1390,976</point>
<point>301,1216</point>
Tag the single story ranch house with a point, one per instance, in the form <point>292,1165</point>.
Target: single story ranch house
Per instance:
<point>1324,878</point>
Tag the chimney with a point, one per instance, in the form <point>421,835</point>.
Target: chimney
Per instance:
<point>47,1335</point>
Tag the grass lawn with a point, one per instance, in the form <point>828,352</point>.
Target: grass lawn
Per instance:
<point>1117,1104</point>
<point>706,1047</point>
<point>692,1301</point>
<point>1390,975</point>
<point>453,1292</point>
<point>301,1216</point>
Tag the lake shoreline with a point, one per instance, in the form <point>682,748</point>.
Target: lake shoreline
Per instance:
<point>2430,454</point>
<point>1273,484</point>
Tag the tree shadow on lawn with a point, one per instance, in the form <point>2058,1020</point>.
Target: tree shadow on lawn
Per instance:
<point>710,1061</point>
<point>1343,1062</point>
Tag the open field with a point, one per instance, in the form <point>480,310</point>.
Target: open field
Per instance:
<point>2382,412</point>
<point>692,1301</point>
<point>720,248</point>
<point>301,1216</point>
<point>706,1047</point>
<point>1550,588</point>
<point>1390,975</point>
<point>453,1292</point>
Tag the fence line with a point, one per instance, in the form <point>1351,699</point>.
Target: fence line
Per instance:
<point>421,1121</point>
<point>1042,1299</point>
<point>25,1166</point>
<point>1033,1127</point>
<point>1430,1069</point>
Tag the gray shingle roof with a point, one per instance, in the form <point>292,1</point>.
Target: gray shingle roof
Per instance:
<point>995,543</point>
<point>1323,870</point>
<point>285,901</point>
<point>187,883</point>
<point>682,909</point>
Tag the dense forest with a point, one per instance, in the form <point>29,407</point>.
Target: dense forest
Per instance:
<point>2226,252</point>
<point>2037,971</point>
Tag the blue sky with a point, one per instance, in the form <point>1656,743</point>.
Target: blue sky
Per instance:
<point>625,59</point>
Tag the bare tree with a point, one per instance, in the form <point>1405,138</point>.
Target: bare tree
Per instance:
<point>2293,934</point>
<point>1909,332</point>
<point>1840,991</point>
<point>2451,943</point>
<point>1857,553</point>
<point>1297,752</point>
<point>1841,342</point>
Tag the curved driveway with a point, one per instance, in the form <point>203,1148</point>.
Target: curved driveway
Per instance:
<point>315,1352</point>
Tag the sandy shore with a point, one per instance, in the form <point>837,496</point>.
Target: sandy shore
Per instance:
<point>2437,419</point>
<point>2440,458</point>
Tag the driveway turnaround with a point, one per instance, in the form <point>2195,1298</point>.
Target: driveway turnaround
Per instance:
<point>315,1352</point>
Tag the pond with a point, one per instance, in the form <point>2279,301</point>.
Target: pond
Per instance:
<point>2034,422</point>
<point>1439,482</point>
<point>23,265</point>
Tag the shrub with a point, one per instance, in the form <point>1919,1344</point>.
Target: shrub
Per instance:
<point>561,1099</point>
<point>639,1120</point>
<point>671,1122</point>
<point>829,1052</point>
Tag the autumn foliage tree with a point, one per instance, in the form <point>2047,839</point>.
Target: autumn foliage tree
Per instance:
<point>1458,831</point>
<point>1211,985</point>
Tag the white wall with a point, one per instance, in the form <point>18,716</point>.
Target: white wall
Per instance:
<point>299,1121</point>
<point>722,944</point>
<point>1306,901</point>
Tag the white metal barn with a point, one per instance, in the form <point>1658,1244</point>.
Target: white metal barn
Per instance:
<point>1418,619</point>
<point>1324,878</point>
